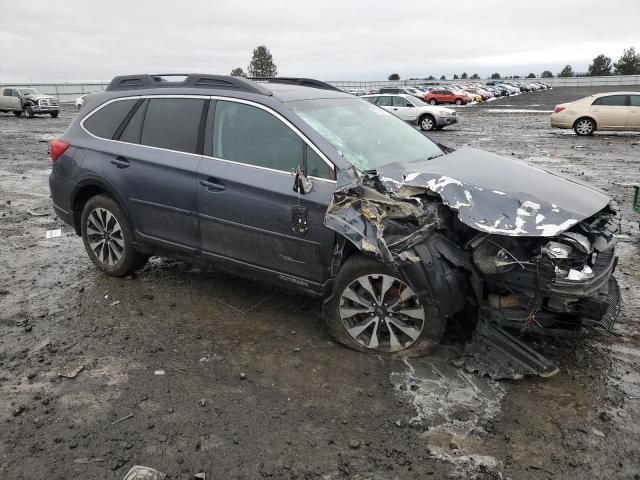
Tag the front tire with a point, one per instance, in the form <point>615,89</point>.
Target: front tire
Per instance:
<point>54,114</point>
<point>108,237</point>
<point>433,101</point>
<point>427,122</point>
<point>373,310</point>
<point>584,126</point>
<point>28,111</point>
<point>458,101</point>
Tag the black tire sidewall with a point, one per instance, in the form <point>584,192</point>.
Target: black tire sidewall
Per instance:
<point>28,111</point>
<point>357,266</point>
<point>130,260</point>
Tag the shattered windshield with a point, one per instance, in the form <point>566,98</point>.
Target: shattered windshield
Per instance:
<point>366,136</point>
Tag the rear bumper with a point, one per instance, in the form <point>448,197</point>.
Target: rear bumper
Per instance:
<point>61,193</point>
<point>559,121</point>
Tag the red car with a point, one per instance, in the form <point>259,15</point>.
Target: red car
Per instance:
<point>435,97</point>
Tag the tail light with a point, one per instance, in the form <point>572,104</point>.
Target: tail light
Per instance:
<point>58,147</point>
<point>558,109</point>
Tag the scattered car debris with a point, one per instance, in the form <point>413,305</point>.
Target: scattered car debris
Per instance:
<point>71,371</point>
<point>138,472</point>
<point>114,303</point>
<point>33,213</point>
<point>88,460</point>
<point>159,373</point>
<point>53,233</point>
<point>495,352</point>
<point>126,417</point>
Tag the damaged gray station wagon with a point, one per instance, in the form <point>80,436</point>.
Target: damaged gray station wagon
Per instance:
<point>296,183</point>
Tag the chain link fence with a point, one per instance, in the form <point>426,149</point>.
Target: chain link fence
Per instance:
<point>68,92</point>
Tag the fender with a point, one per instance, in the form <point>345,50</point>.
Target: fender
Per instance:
<point>99,182</point>
<point>444,276</point>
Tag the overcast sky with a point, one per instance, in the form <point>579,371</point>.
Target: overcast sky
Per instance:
<point>43,40</point>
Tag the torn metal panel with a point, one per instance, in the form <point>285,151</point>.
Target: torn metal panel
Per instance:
<point>376,221</point>
<point>500,355</point>
<point>486,191</point>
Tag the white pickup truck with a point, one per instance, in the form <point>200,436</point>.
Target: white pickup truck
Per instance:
<point>29,101</point>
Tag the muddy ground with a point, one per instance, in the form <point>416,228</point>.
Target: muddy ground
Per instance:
<point>253,387</point>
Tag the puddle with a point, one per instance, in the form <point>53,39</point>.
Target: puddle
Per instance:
<point>446,398</point>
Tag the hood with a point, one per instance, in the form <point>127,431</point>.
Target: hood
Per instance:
<point>38,96</point>
<point>498,195</point>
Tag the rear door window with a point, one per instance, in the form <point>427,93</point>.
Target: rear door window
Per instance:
<point>173,123</point>
<point>612,101</point>
<point>105,122</point>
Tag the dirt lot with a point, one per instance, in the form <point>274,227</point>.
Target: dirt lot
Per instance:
<point>253,387</point>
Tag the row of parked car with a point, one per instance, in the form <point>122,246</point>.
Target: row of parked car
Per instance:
<point>459,94</point>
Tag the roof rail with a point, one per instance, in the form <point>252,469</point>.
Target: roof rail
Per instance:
<point>197,80</point>
<point>303,82</point>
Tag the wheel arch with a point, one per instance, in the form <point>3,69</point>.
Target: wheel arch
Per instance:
<point>588,117</point>
<point>89,188</point>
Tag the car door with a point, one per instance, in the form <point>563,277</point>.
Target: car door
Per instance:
<point>153,165</point>
<point>386,102</point>
<point>403,109</point>
<point>611,111</point>
<point>633,120</point>
<point>248,210</point>
<point>10,99</point>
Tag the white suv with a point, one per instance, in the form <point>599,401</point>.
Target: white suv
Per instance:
<point>413,110</point>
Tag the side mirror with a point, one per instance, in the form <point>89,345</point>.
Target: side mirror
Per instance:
<point>301,184</point>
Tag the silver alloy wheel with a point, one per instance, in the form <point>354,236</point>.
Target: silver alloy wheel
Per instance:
<point>381,312</point>
<point>104,236</point>
<point>433,101</point>
<point>426,123</point>
<point>584,127</point>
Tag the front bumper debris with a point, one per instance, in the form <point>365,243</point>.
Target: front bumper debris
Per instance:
<point>495,352</point>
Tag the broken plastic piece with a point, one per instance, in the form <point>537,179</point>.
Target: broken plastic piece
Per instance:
<point>498,354</point>
<point>71,372</point>
<point>53,233</point>
<point>138,472</point>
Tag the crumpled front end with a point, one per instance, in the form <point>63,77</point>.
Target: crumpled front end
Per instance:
<point>552,285</point>
<point>529,250</point>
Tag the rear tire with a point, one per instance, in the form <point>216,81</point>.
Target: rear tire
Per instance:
<point>427,122</point>
<point>414,333</point>
<point>108,237</point>
<point>54,114</point>
<point>28,111</point>
<point>584,126</point>
<point>17,113</point>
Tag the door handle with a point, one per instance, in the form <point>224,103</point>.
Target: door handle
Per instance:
<point>120,162</point>
<point>213,185</point>
<point>395,109</point>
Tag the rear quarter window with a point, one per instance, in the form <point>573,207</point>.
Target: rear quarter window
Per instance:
<point>104,123</point>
